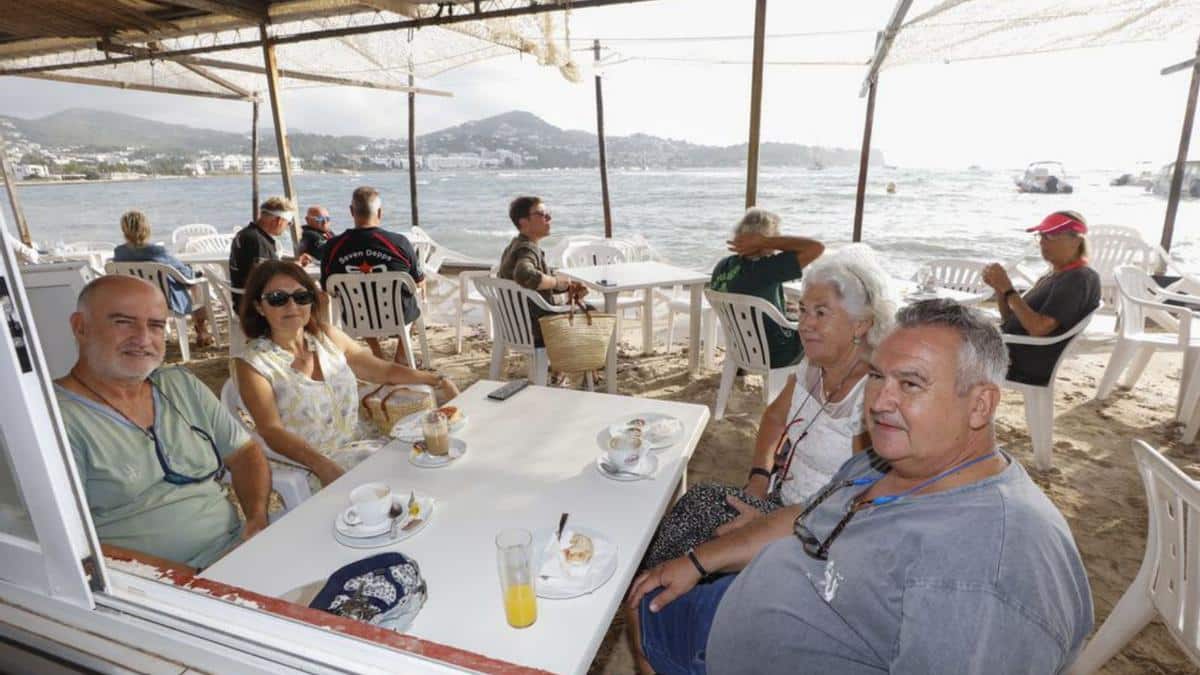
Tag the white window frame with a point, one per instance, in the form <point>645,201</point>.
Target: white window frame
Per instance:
<point>46,594</point>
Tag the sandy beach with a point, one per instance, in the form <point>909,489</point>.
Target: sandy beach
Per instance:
<point>1094,482</point>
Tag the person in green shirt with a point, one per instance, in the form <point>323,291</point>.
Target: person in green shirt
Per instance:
<point>762,261</point>
<point>150,443</point>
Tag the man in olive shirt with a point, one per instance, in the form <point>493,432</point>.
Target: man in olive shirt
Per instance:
<point>524,262</point>
<point>150,443</point>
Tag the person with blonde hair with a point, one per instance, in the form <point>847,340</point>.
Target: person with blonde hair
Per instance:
<point>137,248</point>
<point>255,242</point>
<point>762,261</point>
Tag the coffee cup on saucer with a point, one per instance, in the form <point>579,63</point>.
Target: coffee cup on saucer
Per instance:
<point>625,450</point>
<point>370,504</point>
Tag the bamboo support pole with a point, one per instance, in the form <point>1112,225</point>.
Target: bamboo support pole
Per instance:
<point>756,90</point>
<point>1185,137</point>
<point>11,188</point>
<point>864,163</point>
<point>412,152</point>
<point>281,139</point>
<point>254,163</point>
<point>608,229</point>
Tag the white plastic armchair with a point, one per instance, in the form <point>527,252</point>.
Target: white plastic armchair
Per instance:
<point>209,243</point>
<point>1039,399</point>
<point>371,305</point>
<point>600,253</point>
<point>743,320</point>
<point>513,325</point>
<point>289,478</point>
<point>1141,301</point>
<point>1166,585</point>
<point>181,235</point>
<point>160,275</point>
<point>468,295</point>
<point>1108,252</point>
<point>957,274</point>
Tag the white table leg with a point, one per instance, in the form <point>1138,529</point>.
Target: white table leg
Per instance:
<point>682,489</point>
<point>610,371</point>
<point>694,330</point>
<point>648,322</point>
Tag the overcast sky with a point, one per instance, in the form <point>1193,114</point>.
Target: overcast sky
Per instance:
<point>1093,108</point>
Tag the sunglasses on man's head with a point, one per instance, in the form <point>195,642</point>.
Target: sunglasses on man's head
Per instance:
<point>280,298</point>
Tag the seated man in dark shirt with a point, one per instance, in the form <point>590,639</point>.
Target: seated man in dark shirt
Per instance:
<point>524,262</point>
<point>256,242</point>
<point>313,235</point>
<point>1057,302</point>
<point>369,248</point>
<point>761,261</point>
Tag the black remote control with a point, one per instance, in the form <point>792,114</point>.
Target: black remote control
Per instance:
<point>508,389</point>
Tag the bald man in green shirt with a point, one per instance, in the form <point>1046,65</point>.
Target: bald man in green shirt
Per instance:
<point>151,443</point>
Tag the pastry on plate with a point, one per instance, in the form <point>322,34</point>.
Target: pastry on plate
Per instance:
<point>453,414</point>
<point>577,555</point>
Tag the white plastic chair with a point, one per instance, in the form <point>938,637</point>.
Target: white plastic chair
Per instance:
<point>468,295</point>
<point>593,254</point>
<point>1108,252</point>
<point>1141,300</point>
<point>1166,584</point>
<point>104,247</point>
<point>1039,400</point>
<point>957,274</point>
<point>371,305</point>
<point>513,324</point>
<point>209,243</point>
<point>1114,230</point>
<point>181,234</point>
<point>159,274</point>
<point>288,477</point>
<point>743,319</point>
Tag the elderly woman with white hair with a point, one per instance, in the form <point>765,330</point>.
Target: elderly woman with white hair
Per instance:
<point>817,421</point>
<point>762,261</point>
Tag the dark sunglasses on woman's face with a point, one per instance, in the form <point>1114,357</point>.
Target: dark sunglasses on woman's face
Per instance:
<point>280,298</point>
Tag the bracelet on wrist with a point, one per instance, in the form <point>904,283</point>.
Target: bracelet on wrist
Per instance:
<point>1011,291</point>
<point>759,471</point>
<point>691,554</point>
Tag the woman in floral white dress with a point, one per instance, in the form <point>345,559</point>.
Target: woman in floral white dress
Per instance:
<point>298,377</point>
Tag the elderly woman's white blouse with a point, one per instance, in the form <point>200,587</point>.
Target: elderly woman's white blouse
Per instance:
<point>829,440</point>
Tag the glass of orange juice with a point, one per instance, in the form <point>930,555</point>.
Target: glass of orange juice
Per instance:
<point>514,559</point>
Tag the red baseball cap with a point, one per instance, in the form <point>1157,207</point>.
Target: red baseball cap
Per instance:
<point>1061,221</point>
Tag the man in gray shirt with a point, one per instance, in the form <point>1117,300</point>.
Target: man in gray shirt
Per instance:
<point>944,557</point>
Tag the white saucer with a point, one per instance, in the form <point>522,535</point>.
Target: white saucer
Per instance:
<point>347,528</point>
<point>458,448</point>
<point>649,418</point>
<point>603,566</point>
<point>646,468</point>
<point>408,429</point>
<point>385,538</point>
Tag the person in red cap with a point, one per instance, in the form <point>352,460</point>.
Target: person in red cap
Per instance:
<point>1058,301</point>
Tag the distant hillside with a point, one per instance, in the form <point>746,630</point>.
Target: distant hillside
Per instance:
<point>541,143</point>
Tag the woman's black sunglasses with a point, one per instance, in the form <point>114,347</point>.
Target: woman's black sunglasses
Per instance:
<point>280,298</point>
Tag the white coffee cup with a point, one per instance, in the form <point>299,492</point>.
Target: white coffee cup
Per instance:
<point>370,502</point>
<point>625,450</point>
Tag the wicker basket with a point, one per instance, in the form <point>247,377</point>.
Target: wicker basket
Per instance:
<point>578,342</point>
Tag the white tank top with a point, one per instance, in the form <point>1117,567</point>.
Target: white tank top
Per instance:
<point>829,442</point>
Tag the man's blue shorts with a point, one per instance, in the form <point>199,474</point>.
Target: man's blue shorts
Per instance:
<point>674,639</point>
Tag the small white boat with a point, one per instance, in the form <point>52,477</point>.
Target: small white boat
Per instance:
<point>1045,178</point>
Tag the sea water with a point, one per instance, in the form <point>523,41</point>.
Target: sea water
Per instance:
<point>686,215</point>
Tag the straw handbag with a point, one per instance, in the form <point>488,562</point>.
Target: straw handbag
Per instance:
<point>577,343</point>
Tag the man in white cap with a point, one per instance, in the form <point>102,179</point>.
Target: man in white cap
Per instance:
<point>256,242</point>
<point>1055,304</point>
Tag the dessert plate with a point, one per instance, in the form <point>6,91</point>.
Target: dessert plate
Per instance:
<point>409,428</point>
<point>643,470</point>
<point>417,457</point>
<point>410,527</point>
<point>658,430</point>
<point>553,582</point>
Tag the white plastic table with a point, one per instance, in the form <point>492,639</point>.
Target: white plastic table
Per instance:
<point>645,277</point>
<point>528,460</point>
<point>905,290</point>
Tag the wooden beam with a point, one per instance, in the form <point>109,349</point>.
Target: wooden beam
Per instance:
<point>217,79</point>
<point>333,33</point>
<point>251,10</point>
<point>281,139</point>
<point>756,88</point>
<point>55,77</point>
<point>1185,137</point>
<point>259,70</point>
<point>883,45</point>
<point>254,161</point>
<point>608,229</point>
<point>412,154</point>
<point>10,186</point>
<point>1182,65</point>
<point>864,162</point>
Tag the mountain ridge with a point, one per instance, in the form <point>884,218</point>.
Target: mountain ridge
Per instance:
<point>521,132</point>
